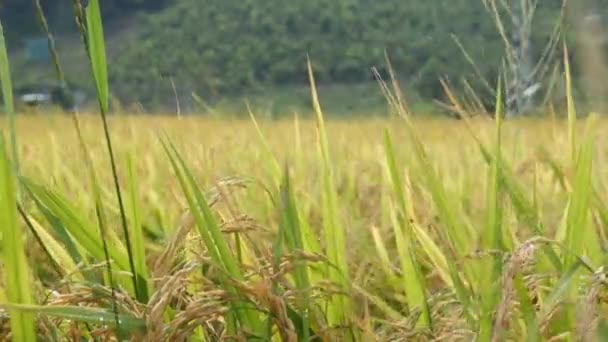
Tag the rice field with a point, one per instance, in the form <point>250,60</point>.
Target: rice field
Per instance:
<point>397,230</point>
<point>159,228</point>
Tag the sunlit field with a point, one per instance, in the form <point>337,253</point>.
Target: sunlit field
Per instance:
<point>116,226</point>
<point>231,150</point>
<point>438,241</point>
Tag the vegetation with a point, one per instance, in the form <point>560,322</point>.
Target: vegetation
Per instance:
<point>174,228</point>
<point>238,46</point>
<point>18,14</point>
<point>278,239</point>
<point>220,49</point>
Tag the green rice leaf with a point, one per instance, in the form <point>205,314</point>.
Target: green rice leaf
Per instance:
<point>127,323</point>
<point>137,234</point>
<point>413,280</point>
<point>16,273</point>
<point>578,210</point>
<point>492,235</point>
<point>339,308</point>
<point>571,107</point>
<point>527,309</point>
<point>290,228</point>
<point>7,95</point>
<point>79,228</point>
<point>559,290</point>
<point>97,53</point>
<point>57,252</point>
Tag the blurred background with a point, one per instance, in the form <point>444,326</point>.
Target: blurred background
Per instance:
<point>197,56</point>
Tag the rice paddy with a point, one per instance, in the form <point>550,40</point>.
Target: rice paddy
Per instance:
<point>415,227</point>
<point>159,228</point>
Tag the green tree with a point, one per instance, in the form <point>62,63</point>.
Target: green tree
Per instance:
<point>233,45</point>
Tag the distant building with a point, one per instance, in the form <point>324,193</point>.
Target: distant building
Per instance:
<point>35,99</point>
<point>51,94</point>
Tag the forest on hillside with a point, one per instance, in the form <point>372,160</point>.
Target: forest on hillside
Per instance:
<point>230,47</point>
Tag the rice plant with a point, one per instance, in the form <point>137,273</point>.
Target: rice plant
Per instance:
<point>159,229</point>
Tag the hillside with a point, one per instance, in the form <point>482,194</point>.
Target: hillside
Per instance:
<point>232,46</point>
<point>241,46</point>
<point>225,48</point>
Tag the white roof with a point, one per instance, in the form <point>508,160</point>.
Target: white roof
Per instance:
<point>35,97</point>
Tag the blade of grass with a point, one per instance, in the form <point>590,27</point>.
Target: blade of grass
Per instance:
<point>127,323</point>
<point>7,95</point>
<point>17,273</point>
<point>310,241</point>
<point>97,58</point>
<point>97,53</point>
<point>78,227</point>
<point>40,240</point>
<point>139,252</point>
<point>91,31</point>
<point>442,264</point>
<point>492,236</point>
<point>580,239</point>
<point>560,292</point>
<point>59,230</point>
<point>571,107</point>
<point>527,309</point>
<point>580,198</point>
<point>56,251</point>
<point>277,258</point>
<point>381,304</point>
<point>385,261</point>
<point>414,284</point>
<point>339,309</point>
<point>290,227</point>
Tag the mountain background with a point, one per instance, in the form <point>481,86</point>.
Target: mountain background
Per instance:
<point>194,53</point>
